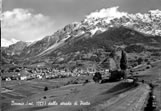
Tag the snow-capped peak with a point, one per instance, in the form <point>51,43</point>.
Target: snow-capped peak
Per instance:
<point>149,23</point>
<point>6,43</point>
<point>155,12</point>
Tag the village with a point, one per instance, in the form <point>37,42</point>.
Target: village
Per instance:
<point>23,73</point>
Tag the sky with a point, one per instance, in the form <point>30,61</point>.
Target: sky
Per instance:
<point>30,20</point>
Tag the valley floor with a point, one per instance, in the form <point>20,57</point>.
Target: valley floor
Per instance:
<point>109,96</point>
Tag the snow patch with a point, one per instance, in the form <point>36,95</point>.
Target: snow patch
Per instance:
<point>93,31</point>
<point>7,43</point>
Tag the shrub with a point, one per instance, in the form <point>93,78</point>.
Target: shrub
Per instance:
<point>97,77</point>
<point>75,82</point>
<point>117,75</point>
<point>148,67</point>
<point>146,60</point>
<point>148,63</point>
<point>86,81</point>
<point>46,88</point>
<point>140,60</point>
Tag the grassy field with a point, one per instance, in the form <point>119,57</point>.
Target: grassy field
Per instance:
<point>17,90</point>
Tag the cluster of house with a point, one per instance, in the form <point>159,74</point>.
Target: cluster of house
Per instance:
<point>42,73</point>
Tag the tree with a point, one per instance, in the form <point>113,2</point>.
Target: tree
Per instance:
<point>113,53</point>
<point>123,63</point>
<point>112,61</point>
<point>112,65</point>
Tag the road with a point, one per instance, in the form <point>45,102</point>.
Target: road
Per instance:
<point>128,101</point>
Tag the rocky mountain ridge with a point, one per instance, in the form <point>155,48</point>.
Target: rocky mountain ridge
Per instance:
<point>15,49</point>
<point>148,23</point>
<point>96,32</point>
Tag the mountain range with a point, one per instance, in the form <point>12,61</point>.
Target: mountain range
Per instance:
<point>91,39</point>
